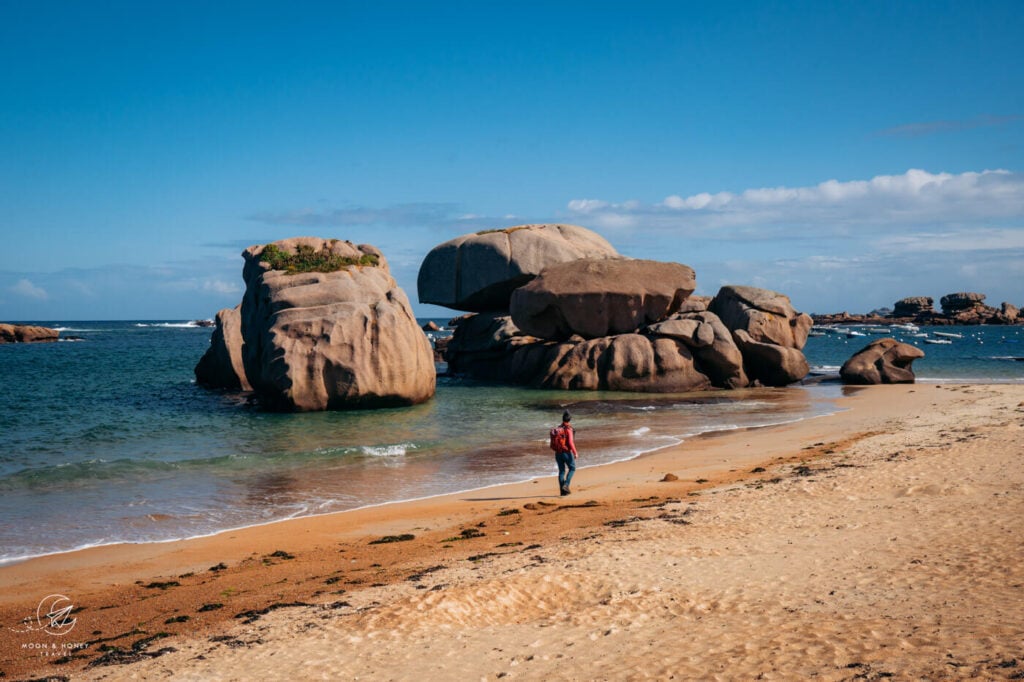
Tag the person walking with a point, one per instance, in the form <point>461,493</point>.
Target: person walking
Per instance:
<point>563,443</point>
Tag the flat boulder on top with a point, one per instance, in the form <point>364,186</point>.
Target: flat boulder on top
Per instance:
<point>912,306</point>
<point>600,297</point>
<point>323,325</point>
<point>767,316</point>
<point>478,272</point>
<point>885,361</point>
<point>961,300</point>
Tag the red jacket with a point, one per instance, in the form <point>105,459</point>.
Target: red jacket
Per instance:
<point>570,432</point>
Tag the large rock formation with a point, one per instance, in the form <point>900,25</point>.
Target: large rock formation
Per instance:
<point>885,361</point>
<point>624,362</point>
<point>767,316</point>
<point>596,298</point>
<point>711,343</point>
<point>685,351</point>
<point>311,340</point>
<point>489,346</point>
<point>26,333</point>
<point>768,331</point>
<point>912,306</point>
<point>478,272</point>
<point>584,318</point>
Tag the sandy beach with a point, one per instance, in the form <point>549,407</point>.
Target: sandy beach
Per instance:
<point>881,541</point>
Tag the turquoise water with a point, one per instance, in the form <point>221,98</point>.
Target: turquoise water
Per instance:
<point>108,439</point>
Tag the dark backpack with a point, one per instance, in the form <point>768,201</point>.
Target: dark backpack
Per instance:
<point>560,438</point>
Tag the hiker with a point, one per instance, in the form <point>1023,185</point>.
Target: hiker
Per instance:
<point>564,445</point>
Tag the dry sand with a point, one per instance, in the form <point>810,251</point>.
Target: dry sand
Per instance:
<point>882,541</point>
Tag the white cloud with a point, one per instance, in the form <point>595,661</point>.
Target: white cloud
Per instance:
<point>173,282</point>
<point>916,197</point>
<point>981,239</point>
<point>588,205</point>
<point>25,288</point>
<point>219,286</point>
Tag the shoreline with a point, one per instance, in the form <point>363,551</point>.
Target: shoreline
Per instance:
<point>679,440</point>
<point>334,549</point>
<point>710,433</point>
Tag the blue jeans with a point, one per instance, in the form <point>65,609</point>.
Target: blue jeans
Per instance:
<point>565,462</point>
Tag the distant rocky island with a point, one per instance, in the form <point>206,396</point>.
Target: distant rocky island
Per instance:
<point>26,333</point>
<point>960,308</point>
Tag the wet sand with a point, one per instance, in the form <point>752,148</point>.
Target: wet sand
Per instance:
<point>881,541</point>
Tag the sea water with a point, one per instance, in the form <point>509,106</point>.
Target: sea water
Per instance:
<point>982,353</point>
<point>108,439</point>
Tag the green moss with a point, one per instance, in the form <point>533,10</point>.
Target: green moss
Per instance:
<point>308,259</point>
<point>506,230</point>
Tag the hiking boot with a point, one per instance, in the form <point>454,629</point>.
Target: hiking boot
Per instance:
<point>565,491</point>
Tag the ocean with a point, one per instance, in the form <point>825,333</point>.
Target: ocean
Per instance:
<point>107,439</point>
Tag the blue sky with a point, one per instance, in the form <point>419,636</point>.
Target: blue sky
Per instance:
<point>846,154</point>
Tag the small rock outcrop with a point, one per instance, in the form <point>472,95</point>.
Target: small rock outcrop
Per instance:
<point>912,306</point>
<point>478,272</point>
<point>1010,312</point>
<point>968,308</point>
<point>885,361</point>
<point>695,304</point>
<point>313,338</point>
<point>221,365</point>
<point>481,344</point>
<point>595,298</point>
<point>27,333</point>
<point>768,363</point>
<point>960,301</point>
